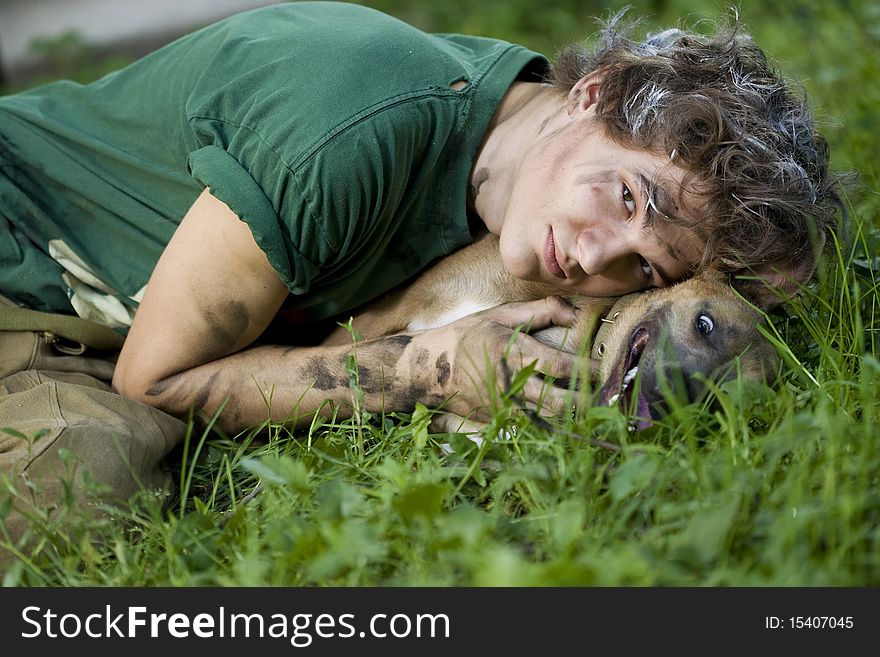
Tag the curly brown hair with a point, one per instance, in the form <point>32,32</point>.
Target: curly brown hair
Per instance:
<point>745,135</point>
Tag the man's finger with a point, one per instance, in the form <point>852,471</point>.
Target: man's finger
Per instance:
<point>550,362</point>
<point>549,311</point>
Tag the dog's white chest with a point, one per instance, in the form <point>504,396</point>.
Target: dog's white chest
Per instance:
<point>463,308</point>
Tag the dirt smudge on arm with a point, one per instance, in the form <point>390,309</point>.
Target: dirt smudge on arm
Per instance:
<point>443,369</point>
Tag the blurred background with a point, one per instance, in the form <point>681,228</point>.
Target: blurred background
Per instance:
<point>46,37</point>
<point>832,47</point>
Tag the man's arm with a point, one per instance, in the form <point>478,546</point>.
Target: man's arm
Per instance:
<point>213,292</point>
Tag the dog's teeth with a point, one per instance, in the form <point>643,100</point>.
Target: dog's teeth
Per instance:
<point>613,400</point>
<point>630,375</point>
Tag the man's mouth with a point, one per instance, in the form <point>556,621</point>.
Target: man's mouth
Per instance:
<point>550,259</point>
<point>619,389</point>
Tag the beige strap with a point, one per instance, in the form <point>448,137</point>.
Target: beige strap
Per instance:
<point>607,322</point>
<point>97,336</point>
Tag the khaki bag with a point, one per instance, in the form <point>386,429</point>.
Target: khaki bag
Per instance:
<point>68,327</point>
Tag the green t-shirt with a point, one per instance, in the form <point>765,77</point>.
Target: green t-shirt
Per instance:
<point>333,130</point>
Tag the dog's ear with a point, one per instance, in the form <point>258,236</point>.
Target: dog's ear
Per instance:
<point>771,285</point>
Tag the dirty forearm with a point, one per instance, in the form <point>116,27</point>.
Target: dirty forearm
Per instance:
<point>289,384</point>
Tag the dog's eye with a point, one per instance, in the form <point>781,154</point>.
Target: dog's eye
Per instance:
<point>704,324</point>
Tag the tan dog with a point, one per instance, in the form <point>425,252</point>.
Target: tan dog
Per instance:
<point>674,338</point>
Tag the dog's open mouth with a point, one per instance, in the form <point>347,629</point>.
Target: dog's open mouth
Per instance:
<point>619,389</point>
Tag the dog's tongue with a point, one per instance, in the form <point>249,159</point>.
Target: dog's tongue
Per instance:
<point>643,413</point>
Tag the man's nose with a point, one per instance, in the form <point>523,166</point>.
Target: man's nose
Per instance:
<point>600,249</point>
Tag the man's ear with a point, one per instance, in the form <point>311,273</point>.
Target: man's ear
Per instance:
<point>585,93</point>
<point>771,285</point>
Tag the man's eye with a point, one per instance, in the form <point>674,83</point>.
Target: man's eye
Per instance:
<point>645,266</point>
<point>629,200</point>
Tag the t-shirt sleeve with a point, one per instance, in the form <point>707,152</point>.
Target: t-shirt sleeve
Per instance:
<point>255,189</point>
<point>339,203</point>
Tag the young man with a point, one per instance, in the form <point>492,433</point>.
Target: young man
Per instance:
<point>291,163</point>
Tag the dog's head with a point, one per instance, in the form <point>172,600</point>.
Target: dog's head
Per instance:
<point>666,343</point>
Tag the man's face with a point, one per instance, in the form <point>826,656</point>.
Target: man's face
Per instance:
<point>586,214</point>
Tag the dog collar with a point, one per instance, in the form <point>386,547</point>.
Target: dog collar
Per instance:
<point>606,324</point>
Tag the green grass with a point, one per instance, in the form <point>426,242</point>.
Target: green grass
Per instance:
<point>768,486</point>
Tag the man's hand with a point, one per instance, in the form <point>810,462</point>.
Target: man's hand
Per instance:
<point>461,362</point>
